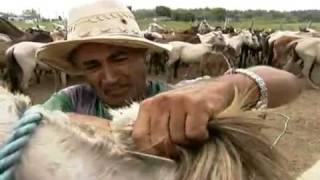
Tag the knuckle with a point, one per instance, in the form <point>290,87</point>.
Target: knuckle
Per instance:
<point>137,136</point>
<point>145,103</point>
<point>179,139</point>
<point>197,133</point>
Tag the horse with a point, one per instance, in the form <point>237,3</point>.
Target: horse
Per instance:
<point>9,31</point>
<point>190,38</point>
<point>156,62</point>
<point>22,64</point>
<point>5,43</point>
<point>214,64</point>
<point>211,38</point>
<point>154,27</point>
<point>58,35</point>
<point>204,27</point>
<point>187,53</point>
<point>218,61</point>
<point>241,43</point>
<point>18,35</point>
<point>280,51</point>
<point>63,147</point>
<point>278,34</point>
<point>308,51</point>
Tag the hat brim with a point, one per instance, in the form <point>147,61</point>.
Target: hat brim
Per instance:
<point>56,53</point>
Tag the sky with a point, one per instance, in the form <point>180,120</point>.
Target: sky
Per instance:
<point>53,8</point>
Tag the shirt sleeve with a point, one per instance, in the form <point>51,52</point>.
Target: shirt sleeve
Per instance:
<point>59,101</point>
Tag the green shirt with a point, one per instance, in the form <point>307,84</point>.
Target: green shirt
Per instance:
<point>83,99</point>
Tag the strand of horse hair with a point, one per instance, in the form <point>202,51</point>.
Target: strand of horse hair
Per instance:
<point>236,150</point>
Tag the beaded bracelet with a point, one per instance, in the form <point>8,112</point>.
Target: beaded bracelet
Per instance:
<point>263,90</point>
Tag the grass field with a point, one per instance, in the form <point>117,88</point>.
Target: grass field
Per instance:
<point>259,24</point>
<point>179,25</point>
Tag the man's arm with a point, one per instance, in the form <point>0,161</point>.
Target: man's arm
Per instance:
<point>283,87</point>
<point>181,116</point>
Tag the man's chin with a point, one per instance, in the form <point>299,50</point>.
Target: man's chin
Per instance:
<point>116,101</point>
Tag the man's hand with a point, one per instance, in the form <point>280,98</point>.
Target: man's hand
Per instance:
<point>179,117</point>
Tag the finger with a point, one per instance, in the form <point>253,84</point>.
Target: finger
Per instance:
<point>196,127</point>
<point>177,127</point>
<point>141,131</point>
<point>160,132</point>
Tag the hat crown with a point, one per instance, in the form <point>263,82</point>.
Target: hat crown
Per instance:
<point>101,18</point>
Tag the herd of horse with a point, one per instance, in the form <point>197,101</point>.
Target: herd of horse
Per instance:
<point>295,51</point>
<point>205,49</point>
<point>235,150</point>
<point>17,55</point>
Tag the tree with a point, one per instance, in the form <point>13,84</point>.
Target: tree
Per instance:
<point>163,11</point>
<point>183,15</point>
<point>219,14</point>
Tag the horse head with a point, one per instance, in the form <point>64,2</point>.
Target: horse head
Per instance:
<point>248,39</point>
<point>211,37</point>
<point>204,27</point>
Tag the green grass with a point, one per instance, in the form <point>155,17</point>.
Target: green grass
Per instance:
<point>23,25</point>
<point>259,24</point>
<point>179,25</point>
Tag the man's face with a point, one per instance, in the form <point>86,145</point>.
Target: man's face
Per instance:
<point>117,73</point>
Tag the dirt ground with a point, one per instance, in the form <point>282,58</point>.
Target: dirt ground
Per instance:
<point>300,144</point>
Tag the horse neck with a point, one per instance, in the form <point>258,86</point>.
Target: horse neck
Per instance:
<point>236,42</point>
<point>94,152</point>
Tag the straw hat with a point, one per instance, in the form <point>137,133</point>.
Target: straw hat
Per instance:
<point>104,21</point>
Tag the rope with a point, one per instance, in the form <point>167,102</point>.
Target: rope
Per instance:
<point>284,129</point>
<point>11,152</point>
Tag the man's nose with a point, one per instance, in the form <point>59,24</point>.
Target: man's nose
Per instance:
<point>110,75</point>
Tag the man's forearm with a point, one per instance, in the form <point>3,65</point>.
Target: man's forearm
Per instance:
<point>282,86</point>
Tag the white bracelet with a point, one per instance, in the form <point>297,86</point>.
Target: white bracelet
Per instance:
<point>263,90</point>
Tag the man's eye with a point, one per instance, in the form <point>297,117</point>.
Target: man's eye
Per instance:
<point>90,65</point>
<point>121,58</point>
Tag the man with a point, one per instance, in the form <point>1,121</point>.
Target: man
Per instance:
<point>105,45</point>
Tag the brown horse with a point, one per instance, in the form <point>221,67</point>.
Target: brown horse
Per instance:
<point>157,60</point>
<point>18,35</point>
<point>218,61</point>
<point>280,50</point>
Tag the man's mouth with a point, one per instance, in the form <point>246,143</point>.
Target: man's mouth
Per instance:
<point>116,91</point>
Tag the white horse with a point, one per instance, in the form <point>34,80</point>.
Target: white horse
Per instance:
<point>64,147</point>
<point>154,27</point>
<point>307,50</point>
<point>212,37</point>
<point>204,27</point>
<point>22,64</point>
<point>187,53</point>
<point>58,35</point>
<point>244,38</point>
